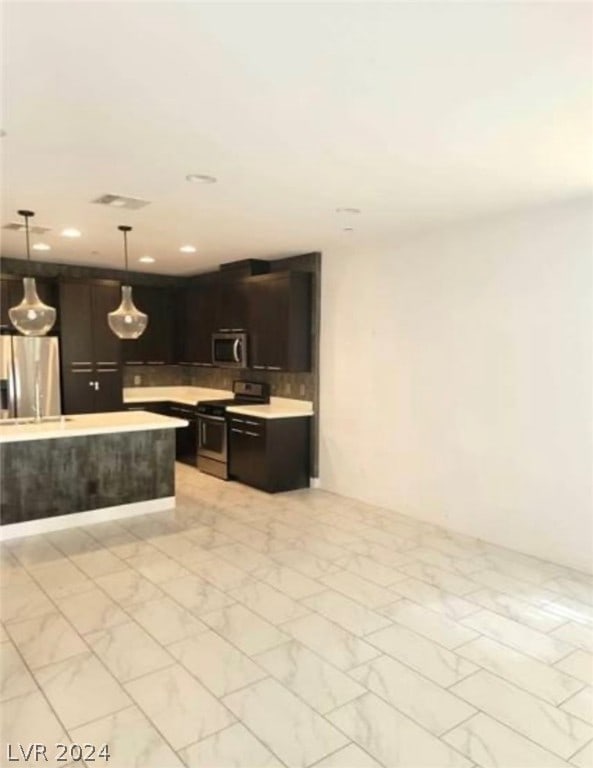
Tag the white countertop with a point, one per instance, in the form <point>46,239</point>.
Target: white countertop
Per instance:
<point>182,395</point>
<point>278,407</point>
<point>86,424</point>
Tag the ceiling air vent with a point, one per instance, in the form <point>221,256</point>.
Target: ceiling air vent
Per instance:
<point>121,201</point>
<point>16,226</point>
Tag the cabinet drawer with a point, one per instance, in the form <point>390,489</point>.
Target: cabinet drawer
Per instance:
<point>249,425</point>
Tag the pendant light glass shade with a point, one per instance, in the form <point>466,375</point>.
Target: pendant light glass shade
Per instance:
<point>127,322</point>
<point>31,317</point>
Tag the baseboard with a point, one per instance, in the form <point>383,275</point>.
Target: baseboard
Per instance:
<point>74,519</point>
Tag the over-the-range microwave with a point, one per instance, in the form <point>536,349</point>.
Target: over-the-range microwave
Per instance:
<point>229,349</point>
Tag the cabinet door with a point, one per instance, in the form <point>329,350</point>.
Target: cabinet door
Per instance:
<point>155,346</point>
<point>105,297</point>
<point>186,438</point>
<point>109,389</point>
<point>201,317</point>
<point>269,326</point>
<point>280,321</point>
<point>233,306</point>
<point>247,452</point>
<point>76,329</point>
<point>78,390</point>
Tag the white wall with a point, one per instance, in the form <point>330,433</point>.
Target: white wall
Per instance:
<point>456,379</point>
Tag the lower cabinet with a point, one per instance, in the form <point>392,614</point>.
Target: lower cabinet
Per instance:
<point>91,389</point>
<point>269,454</point>
<point>186,438</point>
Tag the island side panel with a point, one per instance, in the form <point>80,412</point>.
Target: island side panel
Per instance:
<point>46,478</point>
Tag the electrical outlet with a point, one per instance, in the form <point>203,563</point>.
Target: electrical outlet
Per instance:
<point>302,390</point>
<point>287,388</point>
<point>137,380</point>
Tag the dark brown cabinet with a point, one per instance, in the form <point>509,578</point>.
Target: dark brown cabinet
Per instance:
<point>11,293</point>
<point>280,321</point>
<point>155,346</point>
<point>90,351</point>
<point>269,454</point>
<point>186,438</point>
<point>233,305</point>
<point>199,320</point>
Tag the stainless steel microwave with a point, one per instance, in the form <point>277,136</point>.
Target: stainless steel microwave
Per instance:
<point>229,350</point>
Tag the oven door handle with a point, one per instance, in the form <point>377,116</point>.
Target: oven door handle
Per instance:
<point>211,418</point>
<point>236,345</point>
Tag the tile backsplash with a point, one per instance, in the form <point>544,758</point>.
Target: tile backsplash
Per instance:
<point>299,386</point>
<point>156,376</point>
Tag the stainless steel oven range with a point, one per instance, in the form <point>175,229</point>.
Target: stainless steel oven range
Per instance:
<point>212,425</point>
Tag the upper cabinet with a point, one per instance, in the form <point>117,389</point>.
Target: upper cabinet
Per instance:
<point>279,324</point>
<point>198,320</point>
<point>273,309</point>
<point>233,305</point>
<point>155,346</point>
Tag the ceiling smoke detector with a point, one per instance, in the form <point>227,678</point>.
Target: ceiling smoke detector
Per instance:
<point>16,226</point>
<point>122,201</point>
<point>201,178</point>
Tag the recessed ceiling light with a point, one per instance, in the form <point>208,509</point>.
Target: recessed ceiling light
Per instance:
<point>349,211</point>
<point>41,247</point>
<point>71,232</point>
<point>146,259</point>
<point>200,178</point>
<point>188,249</point>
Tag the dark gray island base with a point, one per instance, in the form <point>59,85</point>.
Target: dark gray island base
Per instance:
<point>45,478</point>
<point>85,469</point>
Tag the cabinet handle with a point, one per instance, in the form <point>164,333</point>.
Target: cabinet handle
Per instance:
<point>76,362</point>
<point>108,362</point>
<point>81,370</point>
<point>156,362</point>
<point>237,330</point>
<point>253,423</point>
<point>133,362</point>
<point>259,367</point>
<point>238,431</point>
<point>252,434</point>
<point>239,421</point>
<point>106,370</point>
<point>225,330</point>
<point>274,367</point>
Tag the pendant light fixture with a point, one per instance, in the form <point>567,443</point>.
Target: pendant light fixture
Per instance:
<point>31,317</point>
<point>127,322</point>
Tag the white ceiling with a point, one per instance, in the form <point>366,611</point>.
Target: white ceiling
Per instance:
<point>417,113</point>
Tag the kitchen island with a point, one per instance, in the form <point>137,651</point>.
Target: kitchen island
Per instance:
<point>84,468</point>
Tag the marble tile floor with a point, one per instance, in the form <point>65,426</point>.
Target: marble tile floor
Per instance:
<point>303,629</point>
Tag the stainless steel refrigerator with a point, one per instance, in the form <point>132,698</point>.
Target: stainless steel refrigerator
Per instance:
<point>29,377</point>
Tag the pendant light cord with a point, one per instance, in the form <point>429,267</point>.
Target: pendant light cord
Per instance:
<point>125,230</point>
<point>27,236</point>
<point>26,216</point>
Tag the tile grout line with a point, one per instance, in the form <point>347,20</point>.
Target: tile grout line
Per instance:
<point>510,727</point>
